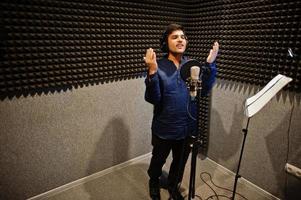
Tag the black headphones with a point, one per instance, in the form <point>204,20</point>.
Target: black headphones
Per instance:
<point>163,42</point>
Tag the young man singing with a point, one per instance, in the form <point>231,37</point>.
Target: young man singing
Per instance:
<point>172,125</point>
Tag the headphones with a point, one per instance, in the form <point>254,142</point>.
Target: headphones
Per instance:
<point>163,42</point>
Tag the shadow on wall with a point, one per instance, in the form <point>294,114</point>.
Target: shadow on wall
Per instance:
<point>111,149</point>
<point>228,122</point>
<point>277,146</point>
<point>227,144</point>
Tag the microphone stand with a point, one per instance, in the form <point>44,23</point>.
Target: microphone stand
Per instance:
<point>194,150</point>
<point>194,86</point>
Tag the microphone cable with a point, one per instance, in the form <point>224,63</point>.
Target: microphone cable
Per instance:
<point>215,193</point>
<point>188,107</point>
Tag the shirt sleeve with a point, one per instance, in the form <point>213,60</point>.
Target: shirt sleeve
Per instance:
<point>152,91</point>
<point>208,78</point>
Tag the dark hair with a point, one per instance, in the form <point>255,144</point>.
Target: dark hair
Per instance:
<point>169,29</point>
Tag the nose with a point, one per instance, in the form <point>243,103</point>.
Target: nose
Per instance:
<point>180,39</point>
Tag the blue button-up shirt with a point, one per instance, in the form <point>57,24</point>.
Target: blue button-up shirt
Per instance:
<point>174,112</point>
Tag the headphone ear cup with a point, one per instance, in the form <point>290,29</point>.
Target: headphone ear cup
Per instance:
<point>187,44</point>
<point>163,43</point>
<point>164,47</point>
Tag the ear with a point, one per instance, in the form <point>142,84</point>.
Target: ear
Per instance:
<point>163,42</point>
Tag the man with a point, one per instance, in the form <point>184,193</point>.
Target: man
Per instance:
<point>173,123</point>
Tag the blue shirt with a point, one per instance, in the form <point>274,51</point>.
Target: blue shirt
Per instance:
<point>174,112</point>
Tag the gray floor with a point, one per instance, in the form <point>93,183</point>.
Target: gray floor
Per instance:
<point>130,183</point>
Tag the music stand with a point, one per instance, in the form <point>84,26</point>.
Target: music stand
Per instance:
<point>253,105</point>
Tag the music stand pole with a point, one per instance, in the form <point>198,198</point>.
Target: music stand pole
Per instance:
<point>254,104</point>
<point>237,176</point>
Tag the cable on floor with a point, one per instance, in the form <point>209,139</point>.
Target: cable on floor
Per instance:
<point>215,193</point>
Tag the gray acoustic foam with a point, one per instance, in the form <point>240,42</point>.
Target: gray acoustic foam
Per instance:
<point>50,140</point>
<point>271,140</point>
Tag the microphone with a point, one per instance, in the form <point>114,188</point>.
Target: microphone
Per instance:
<point>194,81</point>
<point>191,71</point>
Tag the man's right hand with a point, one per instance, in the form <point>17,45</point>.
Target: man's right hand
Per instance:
<point>151,61</point>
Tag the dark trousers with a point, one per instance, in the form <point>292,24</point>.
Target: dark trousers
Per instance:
<point>180,152</point>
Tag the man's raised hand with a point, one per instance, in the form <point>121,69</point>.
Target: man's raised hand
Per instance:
<point>213,53</point>
<point>151,61</point>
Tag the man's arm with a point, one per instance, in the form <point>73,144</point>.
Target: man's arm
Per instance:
<point>210,71</point>
<point>208,78</point>
<point>152,92</point>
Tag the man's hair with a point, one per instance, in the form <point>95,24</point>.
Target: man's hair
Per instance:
<point>169,29</point>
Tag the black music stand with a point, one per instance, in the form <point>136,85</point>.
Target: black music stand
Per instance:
<point>253,105</point>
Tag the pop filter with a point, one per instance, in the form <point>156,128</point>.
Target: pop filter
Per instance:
<point>190,72</point>
<point>186,67</point>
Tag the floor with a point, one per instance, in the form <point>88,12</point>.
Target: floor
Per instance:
<point>130,183</point>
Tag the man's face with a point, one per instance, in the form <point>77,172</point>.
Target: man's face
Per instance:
<point>177,42</point>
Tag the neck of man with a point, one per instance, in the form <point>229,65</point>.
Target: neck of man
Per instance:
<point>175,58</point>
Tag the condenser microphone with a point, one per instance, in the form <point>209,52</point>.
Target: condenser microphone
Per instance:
<point>194,81</point>
<point>191,71</point>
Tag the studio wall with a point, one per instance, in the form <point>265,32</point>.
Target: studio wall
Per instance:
<point>72,88</point>
<point>71,80</point>
<point>273,137</point>
<point>50,140</point>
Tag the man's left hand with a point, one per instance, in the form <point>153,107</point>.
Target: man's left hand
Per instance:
<point>213,53</point>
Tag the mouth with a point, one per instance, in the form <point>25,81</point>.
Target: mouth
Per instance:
<point>180,46</point>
